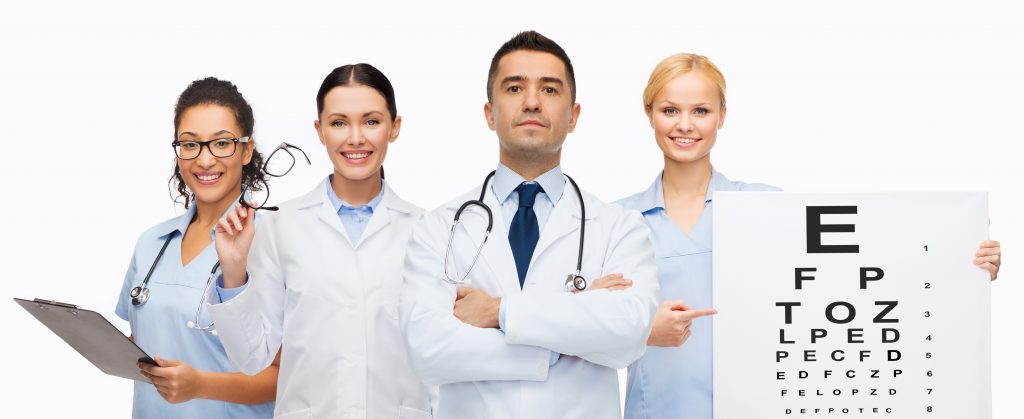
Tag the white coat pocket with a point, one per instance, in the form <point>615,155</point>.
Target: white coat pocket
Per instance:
<point>296,414</point>
<point>405,412</point>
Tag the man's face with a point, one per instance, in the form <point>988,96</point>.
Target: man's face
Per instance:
<point>531,108</point>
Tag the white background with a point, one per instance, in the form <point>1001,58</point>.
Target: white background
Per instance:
<point>823,96</point>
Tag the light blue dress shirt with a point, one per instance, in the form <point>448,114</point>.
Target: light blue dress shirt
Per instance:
<point>670,383</point>
<point>354,219</point>
<point>159,325</point>
<point>504,185</point>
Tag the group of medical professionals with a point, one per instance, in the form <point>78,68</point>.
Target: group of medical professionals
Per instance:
<point>350,302</point>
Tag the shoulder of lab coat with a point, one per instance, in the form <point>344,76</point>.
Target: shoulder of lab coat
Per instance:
<point>608,328</point>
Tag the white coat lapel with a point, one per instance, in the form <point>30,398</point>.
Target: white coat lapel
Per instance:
<point>326,211</point>
<point>496,258</point>
<point>564,219</point>
<point>381,215</point>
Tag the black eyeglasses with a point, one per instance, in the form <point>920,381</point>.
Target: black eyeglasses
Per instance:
<point>223,147</point>
<point>278,163</point>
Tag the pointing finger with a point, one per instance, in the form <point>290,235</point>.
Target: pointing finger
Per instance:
<point>697,313</point>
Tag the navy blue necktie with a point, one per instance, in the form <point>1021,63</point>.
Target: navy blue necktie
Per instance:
<point>524,231</point>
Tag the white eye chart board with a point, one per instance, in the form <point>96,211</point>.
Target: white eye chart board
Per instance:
<point>851,305</point>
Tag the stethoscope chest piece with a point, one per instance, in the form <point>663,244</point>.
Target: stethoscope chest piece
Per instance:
<point>575,283</point>
<point>139,295</point>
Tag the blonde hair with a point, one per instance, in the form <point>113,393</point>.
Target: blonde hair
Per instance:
<point>676,65</point>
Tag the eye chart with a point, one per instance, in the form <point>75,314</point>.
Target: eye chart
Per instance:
<point>851,306</point>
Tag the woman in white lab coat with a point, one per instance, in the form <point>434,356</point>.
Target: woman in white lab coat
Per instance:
<point>320,280</point>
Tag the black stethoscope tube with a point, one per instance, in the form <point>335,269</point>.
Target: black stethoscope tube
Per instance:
<point>140,294</point>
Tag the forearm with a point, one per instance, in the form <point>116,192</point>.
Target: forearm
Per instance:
<point>444,350</point>
<point>236,387</point>
<point>605,327</point>
<point>249,328</point>
<point>240,388</point>
<point>250,324</point>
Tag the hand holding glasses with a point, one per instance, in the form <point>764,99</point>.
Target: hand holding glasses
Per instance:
<point>278,163</point>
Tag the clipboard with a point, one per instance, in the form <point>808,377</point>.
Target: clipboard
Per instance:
<point>91,335</point>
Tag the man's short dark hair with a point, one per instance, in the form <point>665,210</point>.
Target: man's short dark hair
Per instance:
<point>531,41</point>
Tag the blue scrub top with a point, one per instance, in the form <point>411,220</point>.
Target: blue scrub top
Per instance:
<point>671,383</point>
<point>159,325</point>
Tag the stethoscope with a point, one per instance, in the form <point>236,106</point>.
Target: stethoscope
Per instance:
<point>140,294</point>
<point>573,282</point>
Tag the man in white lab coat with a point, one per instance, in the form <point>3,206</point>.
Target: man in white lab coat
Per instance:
<point>511,341</point>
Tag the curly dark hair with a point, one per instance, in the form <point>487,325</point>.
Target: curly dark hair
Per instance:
<point>213,91</point>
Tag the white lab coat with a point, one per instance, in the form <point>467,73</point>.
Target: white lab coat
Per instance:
<point>334,308</point>
<point>489,373</point>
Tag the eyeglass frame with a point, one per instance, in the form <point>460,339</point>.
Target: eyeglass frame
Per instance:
<point>283,146</point>
<point>234,149</point>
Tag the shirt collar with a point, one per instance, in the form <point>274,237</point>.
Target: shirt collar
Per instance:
<point>180,224</point>
<point>718,183</point>
<point>654,196</point>
<point>507,180</point>
<point>340,204</point>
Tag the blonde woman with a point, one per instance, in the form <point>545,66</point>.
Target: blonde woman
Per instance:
<point>685,103</point>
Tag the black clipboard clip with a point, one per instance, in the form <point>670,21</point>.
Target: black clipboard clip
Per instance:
<point>54,303</point>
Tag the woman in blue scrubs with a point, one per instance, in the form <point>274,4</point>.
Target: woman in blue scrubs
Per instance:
<point>685,102</point>
<point>214,157</point>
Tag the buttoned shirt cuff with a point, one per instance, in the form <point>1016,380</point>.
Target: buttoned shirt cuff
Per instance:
<point>225,294</point>
<point>501,315</point>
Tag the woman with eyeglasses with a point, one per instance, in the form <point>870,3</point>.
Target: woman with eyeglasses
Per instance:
<point>320,278</point>
<point>685,104</point>
<point>215,157</point>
